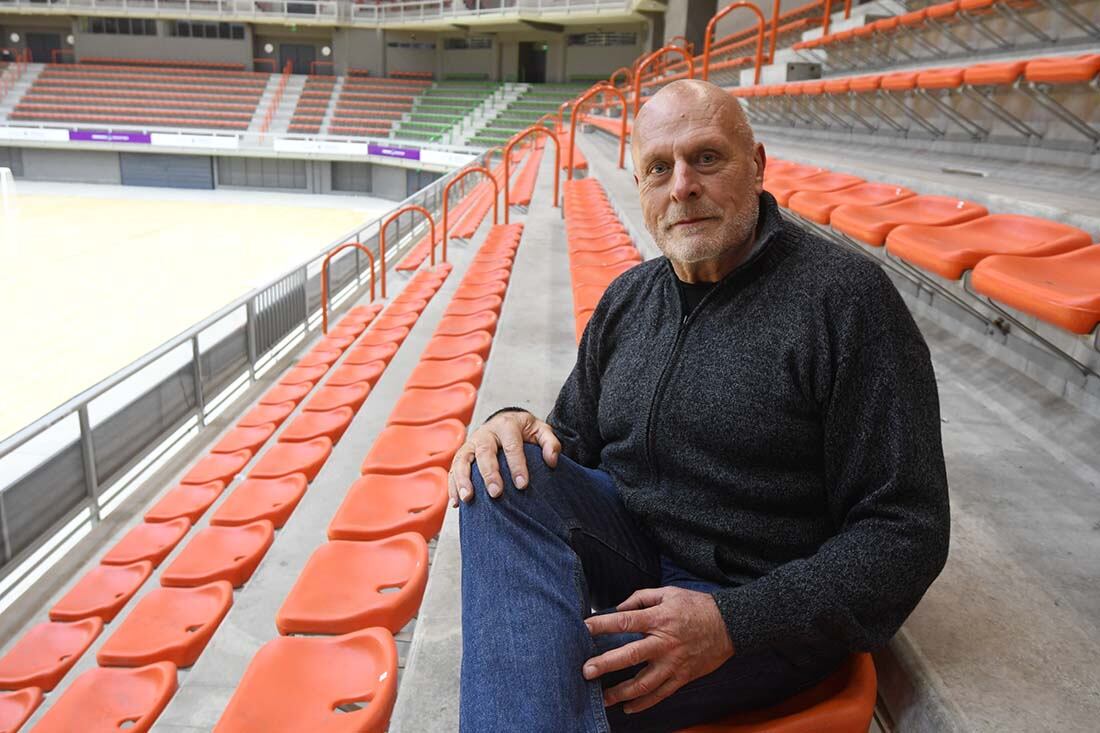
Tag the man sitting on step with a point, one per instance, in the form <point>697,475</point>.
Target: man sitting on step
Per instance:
<point>743,473</point>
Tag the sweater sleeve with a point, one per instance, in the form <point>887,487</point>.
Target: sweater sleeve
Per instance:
<point>886,486</point>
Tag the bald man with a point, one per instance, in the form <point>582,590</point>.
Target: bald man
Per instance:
<point>741,482</point>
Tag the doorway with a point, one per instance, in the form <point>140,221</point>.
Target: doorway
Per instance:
<point>300,55</point>
<point>532,62</point>
<point>42,46</point>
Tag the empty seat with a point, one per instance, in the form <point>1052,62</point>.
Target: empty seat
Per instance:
<point>220,553</point>
<point>950,251</point>
<point>424,406</point>
<point>319,357</point>
<point>331,424</point>
<point>300,374</point>
<point>109,699</point>
<point>487,277</point>
<point>843,702</point>
<point>348,373</point>
<point>46,652</point>
<point>348,586</point>
<point>414,293</point>
<point>378,336</point>
<point>602,244</point>
<point>363,313</point>
<point>334,342</point>
<point>408,305</point>
<point>366,354</point>
<point>349,331</point>
<point>379,506</point>
<point>782,188</point>
<point>818,206</point>
<point>605,259</point>
<point>168,625</point>
<point>474,292</point>
<point>332,398</point>
<point>151,541</point>
<point>284,459</point>
<point>340,684</point>
<point>1064,69</point>
<point>17,707</point>
<point>273,499</point>
<point>396,320</point>
<point>431,374</point>
<point>286,393</point>
<point>448,347</point>
<point>217,467</point>
<point>189,501</point>
<point>408,448</point>
<point>461,325</point>
<point>263,414</point>
<point>102,592</point>
<point>1063,290</point>
<point>871,224</point>
<point>470,306</point>
<point>249,438</point>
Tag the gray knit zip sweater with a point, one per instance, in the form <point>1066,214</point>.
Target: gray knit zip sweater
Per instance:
<point>783,439</point>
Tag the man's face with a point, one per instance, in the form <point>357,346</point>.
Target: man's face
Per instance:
<point>698,180</point>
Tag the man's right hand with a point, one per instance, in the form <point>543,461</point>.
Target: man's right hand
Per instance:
<point>507,431</point>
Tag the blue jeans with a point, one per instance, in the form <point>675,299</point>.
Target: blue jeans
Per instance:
<point>534,564</point>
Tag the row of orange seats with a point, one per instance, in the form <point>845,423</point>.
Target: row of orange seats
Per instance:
<point>525,179</point>
<point>1044,268</point>
<point>171,625</point>
<point>310,110</point>
<point>343,677</point>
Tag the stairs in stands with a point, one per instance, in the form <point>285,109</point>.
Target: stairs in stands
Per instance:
<point>9,101</point>
<point>280,120</point>
<point>441,110</point>
<point>536,101</point>
<point>331,108</point>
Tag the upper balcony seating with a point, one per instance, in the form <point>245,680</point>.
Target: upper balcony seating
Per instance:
<point>145,96</point>
<point>371,106</point>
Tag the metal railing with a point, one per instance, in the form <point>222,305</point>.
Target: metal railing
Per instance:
<point>64,472</point>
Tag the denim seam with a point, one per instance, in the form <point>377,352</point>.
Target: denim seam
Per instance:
<point>596,707</point>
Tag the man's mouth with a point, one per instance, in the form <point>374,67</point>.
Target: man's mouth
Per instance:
<point>687,222</point>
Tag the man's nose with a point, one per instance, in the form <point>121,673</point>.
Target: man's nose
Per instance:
<point>685,183</point>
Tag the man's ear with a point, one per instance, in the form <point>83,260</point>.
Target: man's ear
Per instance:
<point>761,159</point>
<point>635,179</point>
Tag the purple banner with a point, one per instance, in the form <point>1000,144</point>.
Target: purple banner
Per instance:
<point>103,136</point>
<point>393,151</point>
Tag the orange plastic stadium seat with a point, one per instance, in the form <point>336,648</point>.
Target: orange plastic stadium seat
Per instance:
<point>580,321</point>
<point>285,393</point>
<point>1063,290</point>
<point>406,448</point>
<point>599,275</point>
<point>424,406</point>
<point>950,251</point>
<point>604,259</point>
<point>103,591</point>
<point>941,78</point>
<point>843,703</point>
<point>363,313</point>
<point>348,586</point>
<point>783,188</point>
<point>338,684</point>
<point>332,398</point>
<point>469,306</point>
<point>612,241</point>
<point>347,374</point>
<point>283,459</point>
<point>331,424</point>
<point>299,375</point>
<point>249,439</point>
<point>147,541</point>
<point>262,414</point>
<point>319,357</point>
<point>793,171</point>
<point>47,651</point>
<point>334,342</point>
<point>366,354</point>
<point>189,501</point>
<point>217,467</point>
<point>871,224</point>
<point>220,553</point>
<point>168,625</point>
<point>273,499</point>
<point>900,81</point>
<point>17,707</point>
<point>379,336</point>
<point>110,699</point>
<point>435,373</point>
<point>407,306</point>
<point>586,297</point>
<point>461,325</point>
<point>818,206</point>
<point>997,73</point>
<point>414,294</point>
<point>378,506</point>
<point>396,320</point>
<point>1064,69</point>
<point>448,347</point>
<point>351,331</point>
<point>487,277</point>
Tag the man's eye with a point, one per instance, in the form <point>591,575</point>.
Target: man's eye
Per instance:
<point>708,158</point>
<point>658,168</point>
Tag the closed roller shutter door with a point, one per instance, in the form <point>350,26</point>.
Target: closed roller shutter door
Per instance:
<point>174,171</point>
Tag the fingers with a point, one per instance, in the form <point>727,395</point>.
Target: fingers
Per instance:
<point>622,622</point>
<point>460,473</point>
<point>644,702</point>
<point>511,441</point>
<point>622,657</point>
<point>645,684</point>
<point>551,446</point>
<point>485,451</point>
<point>452,487</point>
<point>643,598</point>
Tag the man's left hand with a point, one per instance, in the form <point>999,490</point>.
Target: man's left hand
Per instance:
<point>685,638</point>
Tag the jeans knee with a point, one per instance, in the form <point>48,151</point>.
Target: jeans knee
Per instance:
<point>535,473</point>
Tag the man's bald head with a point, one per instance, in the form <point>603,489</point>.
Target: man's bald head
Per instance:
<point>686,98</point>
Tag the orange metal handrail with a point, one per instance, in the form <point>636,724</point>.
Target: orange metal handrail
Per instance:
<point>825,18</point>
<point>847,9</point>
<point>659,53</point>
<point>563,105</point>
<point>447,189</point>
<point>687,45</point>
<point>775,32</point>
<point>324,279</point>
<point>759,36</point>
<point>615,74</point>
<point>382,237</point>
<point>598,89</point>
<point>532,130</point>
<point>489,155</point>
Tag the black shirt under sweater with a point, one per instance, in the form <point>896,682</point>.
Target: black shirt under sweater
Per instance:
<point>782,440</point>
